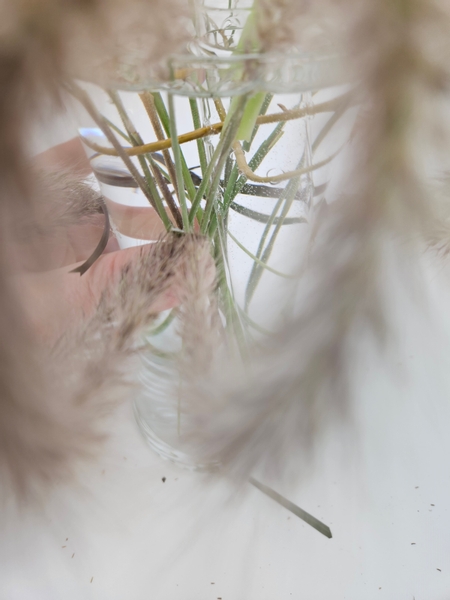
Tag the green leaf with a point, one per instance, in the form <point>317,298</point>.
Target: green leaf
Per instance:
<point>296,510</point>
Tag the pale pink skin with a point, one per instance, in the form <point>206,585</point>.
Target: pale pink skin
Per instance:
<point>56,297</point>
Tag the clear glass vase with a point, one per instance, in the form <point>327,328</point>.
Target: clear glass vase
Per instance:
<point>258,138</point>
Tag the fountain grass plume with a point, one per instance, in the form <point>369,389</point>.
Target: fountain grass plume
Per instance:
<point>273,415</point>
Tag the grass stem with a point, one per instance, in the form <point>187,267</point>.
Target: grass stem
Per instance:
<point>180,182</point>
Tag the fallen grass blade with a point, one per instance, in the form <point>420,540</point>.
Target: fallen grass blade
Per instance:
<point>296,510</point>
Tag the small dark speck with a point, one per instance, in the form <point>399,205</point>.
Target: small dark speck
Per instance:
<point>64,546</point>
<point>438,569</point>
<point>213,583</point>
<point>73,555</point>
<point>413,543</point>
<point>124,458</point>
<point>288,518</point>
<point>163,480</point>
<point>176,479</point>
<point>67,539</point>
<point>379,588</point>
<point>431,504</point>
<point>92,579</point>
<point>417,487</point>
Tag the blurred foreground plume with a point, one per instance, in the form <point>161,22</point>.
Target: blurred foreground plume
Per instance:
<point>49,402</point>
<point>274,415</point>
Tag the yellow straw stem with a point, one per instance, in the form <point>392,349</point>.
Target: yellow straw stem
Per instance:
<point>216,128</point>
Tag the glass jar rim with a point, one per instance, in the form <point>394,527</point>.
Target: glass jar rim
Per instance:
<point>207,76</point>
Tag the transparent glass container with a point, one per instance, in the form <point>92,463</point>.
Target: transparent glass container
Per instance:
<point>258,139</point>
<point>220,23</point>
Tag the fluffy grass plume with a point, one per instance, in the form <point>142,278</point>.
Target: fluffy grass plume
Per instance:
<point>272,416</point>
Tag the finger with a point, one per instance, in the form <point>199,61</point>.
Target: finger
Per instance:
<point>69,156</point>
<point>107,273</point>
<point>138,222</point>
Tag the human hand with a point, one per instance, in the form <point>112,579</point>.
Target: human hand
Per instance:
<point>55,298</point>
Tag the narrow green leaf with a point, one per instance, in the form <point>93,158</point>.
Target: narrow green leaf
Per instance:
<point>136,140</point>
<point>180,183</point>
<point>293,508</point>
<point>262,264</point>
<point>264,109</point>
<point>248,120</point>
<point>162,326</point>
<point>165,121</point>
<point>262,218</point>
<point>200,142</point>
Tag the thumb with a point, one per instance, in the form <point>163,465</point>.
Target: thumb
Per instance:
<point>59,299</point>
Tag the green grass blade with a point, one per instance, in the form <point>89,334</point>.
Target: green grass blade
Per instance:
<point>262,264</point>
<point>118,130</point>
<point>226,141</point>
<point>293,508</point>
<point>180,183</point>
<point>162,112</point>
<point>165,121</point>
<point>251,112</point>
<point>227,303</point>
<point>162,326</point>
<point>255,276</point>
<point>154,192</point>
<point>253,324</point>
<point>262,218</point>
<point>259,156</point>
<point>200,142</point>
<point>216,163</point>
<point>136,140</point>
<point>265,106</point>
<point>230,186</point>
<point>195,208</point>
